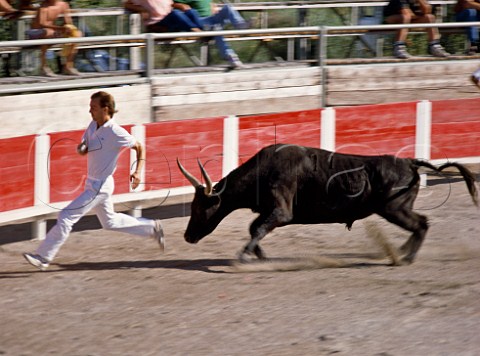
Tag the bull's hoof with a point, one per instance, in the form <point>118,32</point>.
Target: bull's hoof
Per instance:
<point>247,257</point>
<point>407,260</point>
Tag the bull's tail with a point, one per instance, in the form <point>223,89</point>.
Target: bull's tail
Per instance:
<point>468,176</point>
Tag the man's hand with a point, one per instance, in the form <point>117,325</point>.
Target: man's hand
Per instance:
<point>82,148</point>
<point>135,180</point>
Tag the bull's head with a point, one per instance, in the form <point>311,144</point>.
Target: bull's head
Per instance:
<point>205,205</point>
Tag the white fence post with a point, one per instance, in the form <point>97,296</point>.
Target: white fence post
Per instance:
<point>41,182</point>
<point>423,136</point>
<point>230,144</point>
<point>327,129</point>
<point>138,131</point>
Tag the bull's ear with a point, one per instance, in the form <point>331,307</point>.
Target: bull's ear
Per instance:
<point>194,181</point>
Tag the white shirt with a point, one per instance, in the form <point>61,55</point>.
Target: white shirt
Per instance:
<point>104,146</point>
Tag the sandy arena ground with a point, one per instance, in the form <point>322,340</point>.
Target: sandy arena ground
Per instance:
<point>325,290</point>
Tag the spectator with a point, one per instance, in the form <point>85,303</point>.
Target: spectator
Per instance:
<point>468,11</point>
<point>160,16</point>
<point>412,11</point>
<point>10,13</point>
<point>215,19</point>
<point>43,26</point>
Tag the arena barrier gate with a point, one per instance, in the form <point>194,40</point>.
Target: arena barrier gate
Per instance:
<point>42,173</point>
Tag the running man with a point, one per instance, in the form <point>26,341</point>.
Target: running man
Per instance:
<point>103,141</point>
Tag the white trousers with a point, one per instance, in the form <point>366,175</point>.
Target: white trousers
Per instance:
<point>97,197</point>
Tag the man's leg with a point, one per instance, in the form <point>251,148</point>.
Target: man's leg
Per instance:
<point>58,234</point>
<point>177,21</point>
<point>469,15</point>
<point>111,220</point>
<point>228,14</point>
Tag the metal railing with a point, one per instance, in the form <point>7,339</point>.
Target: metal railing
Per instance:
<point>149,41</point>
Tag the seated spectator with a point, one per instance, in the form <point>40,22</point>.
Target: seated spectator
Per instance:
<point>160,16</point>
<point>412,11</point>
<point>215,19</point>
<point>9,13</point>
<point>43,26</point>
<point>469,11</point>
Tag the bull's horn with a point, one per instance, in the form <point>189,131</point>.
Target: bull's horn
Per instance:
<point>195,182</point>
<point>208,181</point>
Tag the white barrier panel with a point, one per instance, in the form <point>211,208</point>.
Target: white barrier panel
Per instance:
<point>327,129</point>
<point>230,144</point>
<point>423,134</point>
<point>138,131</point>
<point>41,182</point>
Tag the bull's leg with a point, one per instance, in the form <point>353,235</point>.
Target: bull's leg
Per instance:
<point>413,222</point>
<point>260,227</point>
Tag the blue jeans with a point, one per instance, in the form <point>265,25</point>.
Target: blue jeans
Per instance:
<point>227,15</point>
<point>178,21</point>
<point>466,16</point>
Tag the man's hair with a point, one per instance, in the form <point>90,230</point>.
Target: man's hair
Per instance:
<point>106,101</point>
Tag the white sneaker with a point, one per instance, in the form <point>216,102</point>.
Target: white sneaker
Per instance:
<point>158,235</point>
<point>437,50</point>
<point>37,261</point>
<point>234,61</point>
<point>400,51</point>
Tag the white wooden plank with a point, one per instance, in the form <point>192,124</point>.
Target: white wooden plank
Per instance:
<point>61,111</point>
<point>235,76</point>
<point>399,70</point>
<point>349,85</point>
<point>226,87</point>
<point>247,107</point>
<point>235,96</point>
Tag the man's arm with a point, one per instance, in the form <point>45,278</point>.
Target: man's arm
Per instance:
<point>135,176</point>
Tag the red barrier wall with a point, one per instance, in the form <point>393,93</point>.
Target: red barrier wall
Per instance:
<point>453,122</point>
<point>122,174</point>
<point>68,169</point>
<point>377,129</point>
<point>300,127</point>
<point>17,172</point>
<point>165,141</point>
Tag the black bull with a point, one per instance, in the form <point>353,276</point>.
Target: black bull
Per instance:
<point>290,184</point>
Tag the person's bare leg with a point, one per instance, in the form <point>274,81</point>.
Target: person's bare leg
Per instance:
<point>44,68</point>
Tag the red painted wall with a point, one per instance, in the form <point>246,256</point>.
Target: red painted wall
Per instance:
<point>165,141</point>
<point>373,129</point>
<point>68,169</point>
<point>300,127</point>
<point>455,128</point>
<point>377,129</point>
<point>17,172</point>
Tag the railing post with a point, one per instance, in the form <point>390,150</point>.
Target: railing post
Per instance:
<point>138,131</point>
<point>322,62</point>
<point>423,134</point>
<point>327,129</point>
<point>230,144</point>
<point>41,183</point>
<point>135,25</point>
<point>149,55</point>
